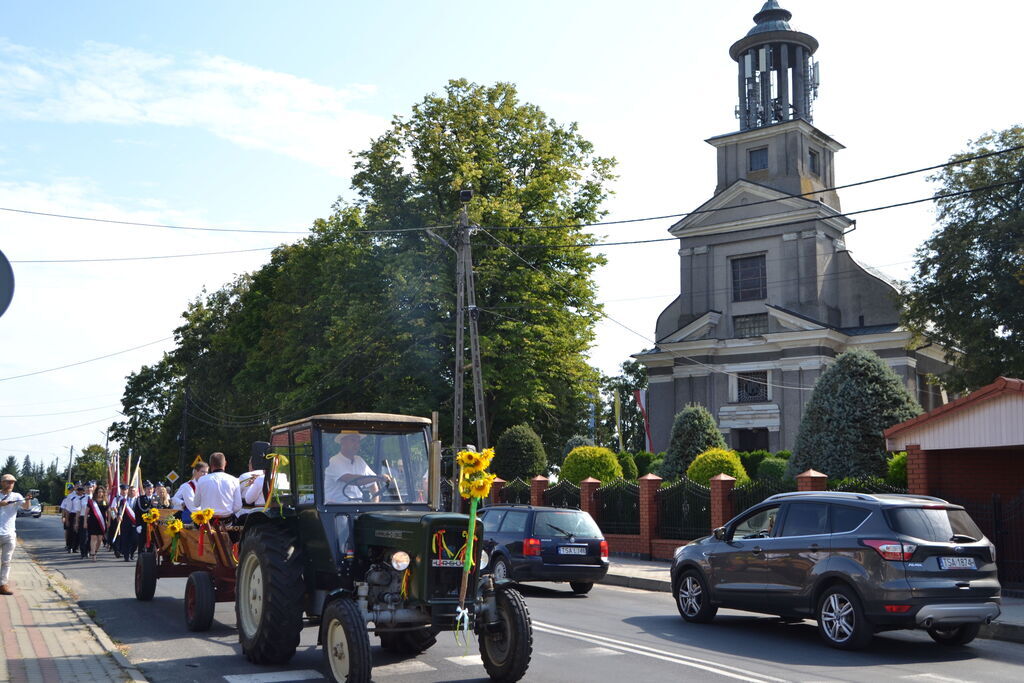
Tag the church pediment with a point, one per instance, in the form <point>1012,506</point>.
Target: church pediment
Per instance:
<point>698,329</point>
<point>793,321</point>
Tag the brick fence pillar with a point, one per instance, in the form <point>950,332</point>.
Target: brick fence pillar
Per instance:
<point>496,486</point>
<point>538,485</point>
<point>917,470</point>
<point>812,480</point>
<point>649,484</point>
<point>587,502</point>
<point>721,501</point>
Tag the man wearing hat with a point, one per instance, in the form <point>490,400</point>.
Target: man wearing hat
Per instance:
<point>81,519</point>
<point>125,526</point>
<point>9,501</point>
<point>141,506</point>
<point>67,513</point>
<point>344,467</point>
<point>113,512</point>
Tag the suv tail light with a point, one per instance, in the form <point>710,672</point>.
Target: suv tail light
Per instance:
<point>604,550</point>
<point>894,551</point>
<point>531,547</point>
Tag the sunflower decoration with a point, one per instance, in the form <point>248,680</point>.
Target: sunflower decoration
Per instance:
<point>151,516</point>
<point>202,517</point>
<point>474,483</point>
<point>174,527</point>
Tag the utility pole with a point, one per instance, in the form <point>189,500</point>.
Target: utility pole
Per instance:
<point>184,435</point>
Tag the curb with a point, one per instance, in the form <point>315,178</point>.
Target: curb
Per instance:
<point>997,630</point>
<point>133,673</point>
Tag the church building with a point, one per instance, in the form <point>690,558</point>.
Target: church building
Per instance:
<point>769,294</point>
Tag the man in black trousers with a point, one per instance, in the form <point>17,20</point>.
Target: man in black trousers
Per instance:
<point>83,520</point>
<point>126,536</point>
<point>142,505</point>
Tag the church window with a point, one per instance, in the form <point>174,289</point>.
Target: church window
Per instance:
<point>752,387</point>
<point>814,162</point>
<point>750,325</point>
<point>749,279</point>
<point>758,159</point>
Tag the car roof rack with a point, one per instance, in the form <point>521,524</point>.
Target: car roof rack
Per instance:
<point>849,495</point>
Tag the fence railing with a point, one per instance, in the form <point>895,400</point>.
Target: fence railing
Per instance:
<point>564,494</point>
<point>516,491</point>
<point>684,510</point>
<point>618,507</point>
<point>754,492</point>
<point>866,485</point>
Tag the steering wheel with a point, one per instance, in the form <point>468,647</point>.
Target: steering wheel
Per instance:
<point>359,487</point>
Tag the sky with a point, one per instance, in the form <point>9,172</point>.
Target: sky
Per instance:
<point>244,115</point>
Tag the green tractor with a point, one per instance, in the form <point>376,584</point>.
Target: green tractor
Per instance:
<point>353,541</point>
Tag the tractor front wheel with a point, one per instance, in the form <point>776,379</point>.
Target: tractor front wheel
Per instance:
<point>507,646</point>
<point>346,642</point>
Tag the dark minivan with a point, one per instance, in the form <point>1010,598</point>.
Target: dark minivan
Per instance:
<point>858,563</point>
<point>528,543</point>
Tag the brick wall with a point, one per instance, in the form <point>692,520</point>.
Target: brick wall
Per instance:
<point>973,474</point>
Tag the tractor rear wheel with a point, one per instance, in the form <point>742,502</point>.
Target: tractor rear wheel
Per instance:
<point>269,595</point>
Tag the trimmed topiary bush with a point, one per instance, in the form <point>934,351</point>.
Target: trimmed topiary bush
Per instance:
<point>590,461</point>
<point>693,432</point>
<point>897,470</point>
<point>628,465</point>
<point>574,442</point>
<point>854,400</point>
<point>772,468</point>
<point>716,461</point>
<point>643,461</point>
<point>751,459</point>
<point>785,455</point>
<point>519,453</point>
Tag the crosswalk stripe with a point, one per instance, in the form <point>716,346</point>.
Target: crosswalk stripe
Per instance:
<point>276,677</point>
<point>466,660</point>
<point>412,666</point>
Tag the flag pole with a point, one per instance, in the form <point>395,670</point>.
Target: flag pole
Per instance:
<point>121,516</point>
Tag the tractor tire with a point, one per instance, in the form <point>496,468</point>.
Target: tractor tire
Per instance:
<point>200,601</point>
<point>145,576</point>
<point>506,653</point>
<point>269,594</point>
<point>346,643</point>
<point>409,643</point>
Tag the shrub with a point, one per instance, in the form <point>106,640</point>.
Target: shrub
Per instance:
<point>716,461</point>
<point>628,465</point>
<point>643,461</point>
<point>658,465</point>
<point>751,459</point>
<point>854,400</point>
<point>693,432</point>
<point>590,461</point>
<point>573,442</point>
<point>897,470</point>
<point>772,468</point>
<point>785,455</point>
<point>519,453</point>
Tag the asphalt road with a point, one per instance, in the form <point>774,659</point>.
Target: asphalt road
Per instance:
<point>613,634</point>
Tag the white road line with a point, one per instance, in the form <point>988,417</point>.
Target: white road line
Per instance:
<point>276,677</point>
<point>653,653</point>
<point>935,677</point>
<point>412,666</point>
<point>466,660</point>
<point>585,652</point>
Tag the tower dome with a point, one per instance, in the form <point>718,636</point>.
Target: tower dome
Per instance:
<point>778,77</point>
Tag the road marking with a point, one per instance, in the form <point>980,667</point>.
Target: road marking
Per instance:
<point>585,652</point>
<point>936,677</point>
<point>411,666</point>
<point>466,660</point>
<point>276,677</point>
<point>654,653</point>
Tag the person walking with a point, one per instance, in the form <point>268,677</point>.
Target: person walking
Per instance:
<point>9,500</point>
<point>69,514</point>
<point>96,520</point>
<point>82,520</point>
<point>185,497</point>
<point>161,499</point>
<point>113,510</point>
<point>141,506</point>
<point>127,536</point>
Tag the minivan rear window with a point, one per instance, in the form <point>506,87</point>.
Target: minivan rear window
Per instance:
<point>565,524</point>
<point>933,524</point>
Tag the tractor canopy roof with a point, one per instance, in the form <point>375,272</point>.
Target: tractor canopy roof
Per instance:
<point>359,417</point>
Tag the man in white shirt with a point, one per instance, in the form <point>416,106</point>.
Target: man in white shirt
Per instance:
<point>67,510</point>
<point>218,490</point>
<point>344,468</point>
<point>252,484</point>
<point>9,500</point>
<point>185,498</point>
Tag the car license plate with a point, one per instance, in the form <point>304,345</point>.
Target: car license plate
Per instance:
<point>957,563</point>
<point>572,550</point>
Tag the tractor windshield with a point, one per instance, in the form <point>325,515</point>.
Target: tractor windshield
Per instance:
<point>375,467</point>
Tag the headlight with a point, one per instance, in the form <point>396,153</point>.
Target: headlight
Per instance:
<point>484,559</point>
<point>400,560</point>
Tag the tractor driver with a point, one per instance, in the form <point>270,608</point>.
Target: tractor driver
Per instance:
<point>347,472</point>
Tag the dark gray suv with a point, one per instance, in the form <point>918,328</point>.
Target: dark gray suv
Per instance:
<point>857,563</point>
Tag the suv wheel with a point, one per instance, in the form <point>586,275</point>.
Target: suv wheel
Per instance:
<point>954,635</point>
<point>692,598</point>
<point>269,595</point>
<point>841,619</point>
<point>501,569</point>
<point>581,587</point>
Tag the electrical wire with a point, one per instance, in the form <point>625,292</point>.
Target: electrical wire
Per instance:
<point>54,431</point>
<point>66,412</point>
<point>142,258</point>
<point>83,362</point>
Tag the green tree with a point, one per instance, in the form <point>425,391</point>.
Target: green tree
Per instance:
<point>631,420</point>
<point>519,453</point>
<point>693,431</point>
<point>854,400</point>
<point>11,466</point>
<point>715,461</point>
<point>591,461</point>
<point>91,465</point>
<point>967,289</point>
<point>628,465</point>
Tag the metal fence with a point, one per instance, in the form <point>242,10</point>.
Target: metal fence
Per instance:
<point>754,492</point>
<point>516,491</point>
<point>564,494</point>
<point>618,507</point>
<point>1002,522</point>
<point>865,485</point>
<point>684,510</point>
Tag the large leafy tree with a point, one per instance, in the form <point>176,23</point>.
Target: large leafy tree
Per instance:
<point>631,420</point>
<point>360,314</point>
<point>854,400</point>
<point>967,290</point>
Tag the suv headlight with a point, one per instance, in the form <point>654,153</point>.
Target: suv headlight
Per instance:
<point>484,559</point>
<point>400,560</point>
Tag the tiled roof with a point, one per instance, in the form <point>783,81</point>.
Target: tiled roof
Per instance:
<point>1001,386</point>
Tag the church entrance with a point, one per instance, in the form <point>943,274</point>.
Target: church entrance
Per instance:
<point>750,439</point>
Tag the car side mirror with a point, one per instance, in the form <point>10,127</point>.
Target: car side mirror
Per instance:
<point>719,533</point>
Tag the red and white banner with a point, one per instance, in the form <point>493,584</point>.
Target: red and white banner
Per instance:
<point>94,508</point>
<point>641,401</point>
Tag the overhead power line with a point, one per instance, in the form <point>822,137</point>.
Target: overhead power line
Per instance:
<point>66,412</point>
<point>143,258</point>
<point>54,431</point>
<point>83,362</point>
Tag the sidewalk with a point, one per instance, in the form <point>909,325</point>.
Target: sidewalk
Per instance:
<point>48,638</point>
<point>654,576</point>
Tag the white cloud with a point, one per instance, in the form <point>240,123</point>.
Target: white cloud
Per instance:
<point>247,105</point>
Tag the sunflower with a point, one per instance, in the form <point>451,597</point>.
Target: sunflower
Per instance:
<point>174,526</point>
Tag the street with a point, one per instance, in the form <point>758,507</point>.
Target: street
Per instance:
<point>612,634</point>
